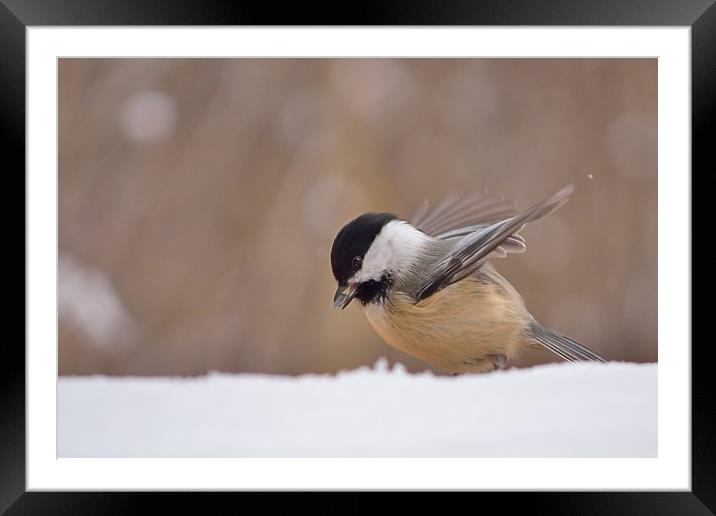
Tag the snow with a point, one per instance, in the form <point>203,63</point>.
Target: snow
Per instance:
<point>557,410</point>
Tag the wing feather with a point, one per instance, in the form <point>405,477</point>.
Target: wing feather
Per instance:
<point>474,248</point>
<point>460,211</point>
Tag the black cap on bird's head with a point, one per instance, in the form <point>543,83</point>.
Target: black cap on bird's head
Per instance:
<point>349,248</point>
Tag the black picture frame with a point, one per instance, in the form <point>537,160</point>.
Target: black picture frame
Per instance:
<point>17,15</point>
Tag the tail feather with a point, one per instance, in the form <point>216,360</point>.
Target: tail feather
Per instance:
<point>563,346</point>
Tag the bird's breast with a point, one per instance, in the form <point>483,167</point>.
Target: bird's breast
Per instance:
<point>462,323</point>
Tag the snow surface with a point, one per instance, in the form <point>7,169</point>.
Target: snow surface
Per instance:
<point>557,410</point>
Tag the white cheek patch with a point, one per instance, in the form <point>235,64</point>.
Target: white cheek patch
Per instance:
<point>396,246</point>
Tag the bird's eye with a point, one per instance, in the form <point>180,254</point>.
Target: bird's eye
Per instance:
<point>357,262</point>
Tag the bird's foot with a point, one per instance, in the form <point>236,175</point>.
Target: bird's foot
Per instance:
<point>499,361</point>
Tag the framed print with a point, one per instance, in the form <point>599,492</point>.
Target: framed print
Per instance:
<point>206,187</point>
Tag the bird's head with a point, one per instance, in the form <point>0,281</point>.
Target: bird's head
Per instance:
<point>368,254</point>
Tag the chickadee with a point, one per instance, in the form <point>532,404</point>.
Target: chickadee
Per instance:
<point>428,289</point>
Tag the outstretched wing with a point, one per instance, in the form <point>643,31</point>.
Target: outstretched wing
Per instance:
<point>473,249</point>
<point>459,215</point>
<point>461,211</point>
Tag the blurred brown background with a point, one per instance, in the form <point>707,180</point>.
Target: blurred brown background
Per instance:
<point>198,200</point>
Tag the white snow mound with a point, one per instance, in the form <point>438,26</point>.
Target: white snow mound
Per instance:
<point>559,410</point>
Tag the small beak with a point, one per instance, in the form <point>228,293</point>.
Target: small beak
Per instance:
<point>344,295</point>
